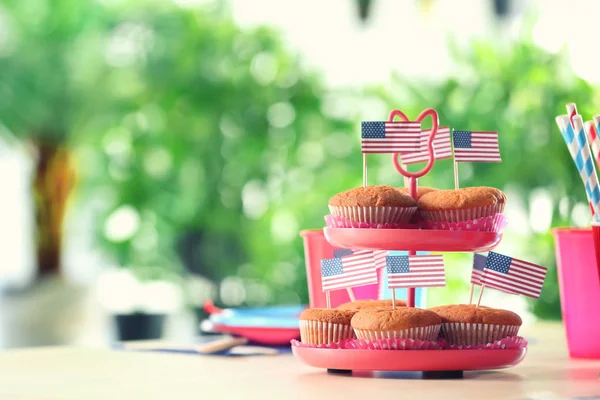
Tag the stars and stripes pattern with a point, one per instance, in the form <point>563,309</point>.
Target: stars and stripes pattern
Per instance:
<point>476,146</point>
<point>478,267</point>
<point>415,271</point>
<point>442,147</point>
<point>513,275</point>
<point>580,152</point>
<point>379,257</point>
<point>356,269</point>
<point>390,137</point>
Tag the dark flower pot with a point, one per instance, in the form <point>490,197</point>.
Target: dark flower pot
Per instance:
<point>140,326</point>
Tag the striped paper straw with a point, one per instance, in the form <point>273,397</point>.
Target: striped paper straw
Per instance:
<point>592,133</point>
<point>571,111</point>
<point>576,141</point>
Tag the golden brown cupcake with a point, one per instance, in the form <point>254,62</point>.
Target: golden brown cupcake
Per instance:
<point>467,324</point>
<point>373,204</point>
<point>421,190</point>
<point>462,204</point>
<point>325,325</point>
<point>362,304</point>
<point>403,322</point>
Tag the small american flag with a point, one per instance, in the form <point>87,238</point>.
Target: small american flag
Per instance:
<point>415,271</point>
<point>390,137</point>
<point>513,275</point>
<point>478,266</point>
<point>442,147</point>
<point>474,146</point>
<point>357,269</point>
<point>380,258</point>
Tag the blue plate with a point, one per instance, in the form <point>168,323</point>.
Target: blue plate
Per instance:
<point>264,317</point>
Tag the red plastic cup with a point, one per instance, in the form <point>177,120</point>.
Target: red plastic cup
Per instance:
<point>596,231</point>
<point>317,248</point>
<point>579,284</point>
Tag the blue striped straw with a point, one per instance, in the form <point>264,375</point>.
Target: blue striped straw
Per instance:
<point>576,141</point>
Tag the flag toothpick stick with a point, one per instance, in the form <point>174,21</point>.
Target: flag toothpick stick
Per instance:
<point>351,294</point>
<point>328,299</point>
<point>364,170</point>
<point>480,295</point>
<point>471,293</point>
<point>455,175</point>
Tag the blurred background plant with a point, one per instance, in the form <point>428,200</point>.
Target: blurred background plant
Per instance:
<point>203,147</point>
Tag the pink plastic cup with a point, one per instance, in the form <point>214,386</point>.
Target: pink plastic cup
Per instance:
<point>316,248</point>
<point>579,285</point>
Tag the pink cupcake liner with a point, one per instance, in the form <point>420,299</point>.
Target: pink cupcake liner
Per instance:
<point>376,215</point>
<point>342,344</point>
<point>422,333</point>
<point>494,223</point>
<point>513,342</point>
<point>333,221</point>
<point>465,214</point>
<point>395,344</point>
<point>317,332</point>
<point>458,333</point>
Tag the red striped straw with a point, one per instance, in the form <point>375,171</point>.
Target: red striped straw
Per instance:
<point>571,111</point>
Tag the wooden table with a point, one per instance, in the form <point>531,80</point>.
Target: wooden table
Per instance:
<point>83,373</point>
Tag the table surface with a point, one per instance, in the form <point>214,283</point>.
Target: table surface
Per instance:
<point>85,373</point>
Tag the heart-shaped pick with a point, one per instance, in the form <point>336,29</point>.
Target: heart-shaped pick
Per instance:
<point>430,112</point>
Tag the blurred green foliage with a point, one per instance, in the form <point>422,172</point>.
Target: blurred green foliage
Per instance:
<point>209,147</point>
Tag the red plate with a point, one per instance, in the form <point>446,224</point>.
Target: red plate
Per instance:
<point>409,360</point>
<point>412,239</point>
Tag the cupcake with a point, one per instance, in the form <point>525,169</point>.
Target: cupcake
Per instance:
<point>462,204</point>
<point>403,322</point>
<point>466,325</point>
<point>421,190</point>
<point>362,304</point>
<point>325,325</point>
<point>373,204</point>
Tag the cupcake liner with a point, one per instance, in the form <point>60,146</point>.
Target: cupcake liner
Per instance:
<point>377,215</point>
<point>494,223</point>
<point>421,333</point>
<point>465,214</point>
<point>317,332</point>
<point>342,344</point>
<point>333,221</point>
<point>513,342</point>
<point>458,333</point>
<point>395,344</point>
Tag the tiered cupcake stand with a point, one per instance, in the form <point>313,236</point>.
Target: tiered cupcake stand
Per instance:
<point>436,363</point>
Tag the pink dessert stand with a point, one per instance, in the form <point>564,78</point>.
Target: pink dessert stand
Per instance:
<point>440,363</point>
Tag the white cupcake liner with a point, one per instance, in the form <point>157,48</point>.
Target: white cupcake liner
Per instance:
<point>460,333</point>
<point>422,333</point>
<point>377,215</point>
<point>317,332</point>
<point>465,214</point>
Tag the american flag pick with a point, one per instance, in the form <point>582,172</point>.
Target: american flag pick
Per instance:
<point>442,147</point>
<point>415,271</point>
<point>380,258</point>
<point>390,137</point>
<point>357,269</point>
<point>478,266</point>
<point>476,146</point>
<point>513,275</point>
